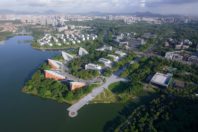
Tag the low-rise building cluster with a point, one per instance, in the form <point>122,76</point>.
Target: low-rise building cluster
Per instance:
<point>132,40</point>
<point>178,44</point>
<point>182,57</point>
<point>71,28</point>
<point>107,62</point>
<point>105,48</point>
<point>65,39</point>
<point>59,68</point>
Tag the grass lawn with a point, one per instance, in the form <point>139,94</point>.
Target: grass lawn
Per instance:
<point>115,95</point>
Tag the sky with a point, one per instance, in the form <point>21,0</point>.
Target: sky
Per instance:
<point>185,7</point>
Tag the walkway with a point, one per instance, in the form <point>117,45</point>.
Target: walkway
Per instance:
<point>73,110</point>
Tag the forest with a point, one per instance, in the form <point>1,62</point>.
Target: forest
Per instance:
<point>169,109</point>
<point>165,114</point>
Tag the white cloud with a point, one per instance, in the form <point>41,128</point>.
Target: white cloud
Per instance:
<point>159,6</point>
<point>185,9</point>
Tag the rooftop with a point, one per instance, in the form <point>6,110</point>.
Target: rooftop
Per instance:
<point>161,79</point>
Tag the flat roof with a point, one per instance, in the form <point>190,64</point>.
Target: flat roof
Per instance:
<point>161,79</point>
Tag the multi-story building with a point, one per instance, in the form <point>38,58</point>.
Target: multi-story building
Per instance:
<point>92,66</point>
<point>82,52</point>
<point>77,85</point>
<point>106,62</point>
<point>174,56</point>
<point>53,74</point>
<point>55,64</point>
<point>193,59</point>
<point>105,48</point>
<point>115,58</point>
<point>66,56</point>
<point>120,53</point>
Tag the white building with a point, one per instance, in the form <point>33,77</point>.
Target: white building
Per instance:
<point>82,52</point>
<point>45,40</point>
<point>66,56</point>
<point>105,48</point>
<point>55,39</point>
<point>67,38</point>
<point>160,79</point>
<point>124,43</point>
<point>61,29</point>
<point>92,66</point>
<point>106,62</point>
<point>50,44</point>
<point>115,58</point>
<point>120,37</point>
<point>120,53</point>
<point>59,44</point>
<point>174,56</point>
<point>73,42</point>
<point>193,59</point>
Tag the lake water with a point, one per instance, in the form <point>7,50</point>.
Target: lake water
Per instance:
<point>20,112</point>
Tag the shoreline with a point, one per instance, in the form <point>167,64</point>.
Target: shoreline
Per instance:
<point>69,102</point>
<point>25,90</point>
<point>6,38</point>
<point>48,48</point>
<point>102,100</point>
<point>47,98</point>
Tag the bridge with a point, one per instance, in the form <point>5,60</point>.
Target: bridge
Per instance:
<point>73,110</point>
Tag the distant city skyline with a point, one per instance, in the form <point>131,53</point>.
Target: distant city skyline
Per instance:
<point>182,7</point>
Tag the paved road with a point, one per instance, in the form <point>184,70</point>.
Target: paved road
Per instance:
<point>73,110</point>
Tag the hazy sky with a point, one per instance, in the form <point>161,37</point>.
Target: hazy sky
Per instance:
<point>114,6</point>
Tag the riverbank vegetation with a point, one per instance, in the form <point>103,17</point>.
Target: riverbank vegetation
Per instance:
<point>5,35</point>
<point>51,89</point>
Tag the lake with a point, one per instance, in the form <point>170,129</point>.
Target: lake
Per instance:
<point>20,112</point>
